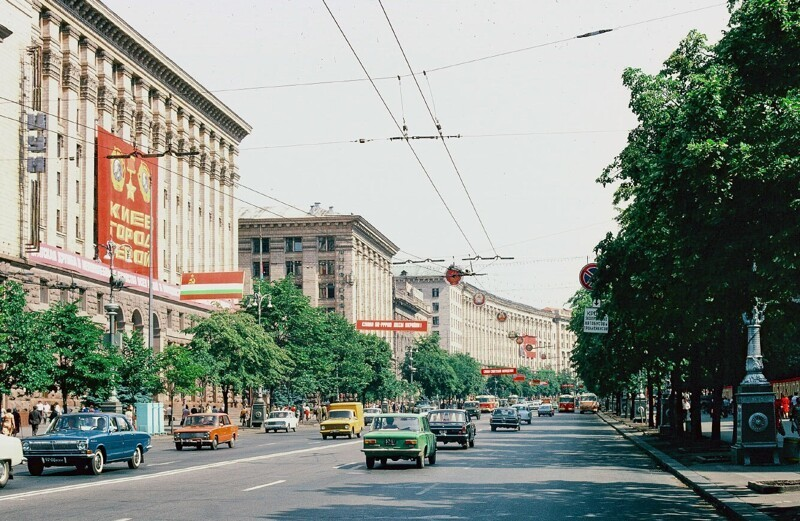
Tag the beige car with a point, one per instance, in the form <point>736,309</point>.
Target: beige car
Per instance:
<point>10,455</point>
<point>589,403</point>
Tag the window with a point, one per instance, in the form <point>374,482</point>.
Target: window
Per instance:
<point>60,145</point>
<point>100,307</point>
<point>82,299</point>
<point>327,290</point>
<point>59,224</point>
<point>166,199</point>
<point>77,189</point>
<point>260,245</point>
<point>44,292</point>
<point>260,269</point>
<point>78,227</point>
<point>325,243</point>
<point>435,292</point>
<point>58,183</point>
<point>294,268</point>
<point>326,267</point>
<point>435,307</point>
<point>293,244</point>
<point>78,155</point>
<point>435,321</point>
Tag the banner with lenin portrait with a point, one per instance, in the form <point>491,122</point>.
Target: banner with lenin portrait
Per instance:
<point>126,211</point>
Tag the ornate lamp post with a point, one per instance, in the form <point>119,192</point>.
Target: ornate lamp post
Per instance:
<point>756,430</point>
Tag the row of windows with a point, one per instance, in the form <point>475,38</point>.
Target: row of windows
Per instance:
<point>326,267</point>
<point>292,244</point>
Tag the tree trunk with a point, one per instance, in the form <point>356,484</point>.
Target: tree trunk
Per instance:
<point>225,390</point>
<point>716,399</point>
<point>675,407</point>
<point>650,405</point>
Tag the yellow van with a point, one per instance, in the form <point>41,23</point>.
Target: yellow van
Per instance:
<point>344,419</point>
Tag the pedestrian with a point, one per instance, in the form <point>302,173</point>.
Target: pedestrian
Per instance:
<point>168,414</point>
<point>7,425</point>
<point>35,419</point>
<point>794,399</point>
<point>184,413</point>
<point>785,406</point>
<point>17,421</point>
<point>243,416</point>
<point>306,411</point>
<point>129,414</point>
<point>214,408</point>
<point>194,409</point>
<point>686,407</point>
<point>208,408</point>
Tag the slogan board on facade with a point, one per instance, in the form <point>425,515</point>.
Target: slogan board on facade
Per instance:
<point>496,371</point>
<point>591,324</point>
<point>125,187</point>
<point>392,325</point>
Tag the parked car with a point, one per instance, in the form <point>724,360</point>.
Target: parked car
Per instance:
<point>452,425</point>
<point>86,440</point>
<point>473,408</point>
<point>400,436</point>
<point>504,418</point>
<point>524,413</point>
<point>546,409</point>
<point>209,429</point>
<point>281,420</point>
<point>370,413</point>
<point>10,455</point>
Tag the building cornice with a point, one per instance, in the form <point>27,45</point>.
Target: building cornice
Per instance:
<point>94,16</point>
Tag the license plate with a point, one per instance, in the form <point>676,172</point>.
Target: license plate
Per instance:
<point>389,443</point>
<point>54,460</point>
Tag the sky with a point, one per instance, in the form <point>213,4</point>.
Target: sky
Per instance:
<point>540,114</point>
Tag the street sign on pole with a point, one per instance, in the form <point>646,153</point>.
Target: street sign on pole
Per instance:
<point>586,274</point>
<point>591,324</point>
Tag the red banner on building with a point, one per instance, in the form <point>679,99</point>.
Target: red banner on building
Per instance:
<point>392,325</point>
<point>126,210</point>
<point>495,371</point>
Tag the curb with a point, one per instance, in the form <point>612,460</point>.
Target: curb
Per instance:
<point>725,502</point>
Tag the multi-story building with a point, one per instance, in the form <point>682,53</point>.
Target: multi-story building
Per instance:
<point>409,304</point>
<point>341,262</point>
<point>487,327</point>
<point>84,99</point>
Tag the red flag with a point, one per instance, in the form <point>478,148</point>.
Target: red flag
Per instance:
<point>527,349</point>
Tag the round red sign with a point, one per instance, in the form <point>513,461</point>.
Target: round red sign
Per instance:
<point>587,272</point>
<point>453,276</point>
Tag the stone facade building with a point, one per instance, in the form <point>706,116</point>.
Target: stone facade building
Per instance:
<point>486,326</point>
<point>341,262</point>
<point>409,304</point>
<point>73,73</point>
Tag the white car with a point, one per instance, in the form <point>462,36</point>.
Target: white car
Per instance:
<point>524,413</point>
<point>370,413</point>
<point>535,405</point>
<point>10,455</point>
<point>281,420</point>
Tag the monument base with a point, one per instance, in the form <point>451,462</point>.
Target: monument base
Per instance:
<point>756,430</point>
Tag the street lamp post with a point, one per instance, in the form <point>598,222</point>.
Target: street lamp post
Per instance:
<point>112,310</point>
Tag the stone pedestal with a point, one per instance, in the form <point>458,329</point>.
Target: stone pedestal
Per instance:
<point>112,404</point>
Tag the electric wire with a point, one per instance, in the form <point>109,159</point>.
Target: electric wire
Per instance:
<point>438,128</point>
<point>394,119</point>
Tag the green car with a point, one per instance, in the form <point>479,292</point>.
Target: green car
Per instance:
<point>400,436</point>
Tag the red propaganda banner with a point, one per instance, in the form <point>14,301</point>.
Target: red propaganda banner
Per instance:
<point>212,286</point>
<point>392,325</point>
<point>519,378</point>
<point>495,371</point>
<point>125,208</point>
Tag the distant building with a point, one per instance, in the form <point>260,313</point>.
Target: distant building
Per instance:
<point>341,262</point>
<point>486,326</point>
<point>409,304</point>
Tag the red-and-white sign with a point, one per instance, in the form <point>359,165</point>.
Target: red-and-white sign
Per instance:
<point>392,325</point>
<point>587,272</point>
<point>535,382</point>
<point>495,371</point>
<point>519,378</point>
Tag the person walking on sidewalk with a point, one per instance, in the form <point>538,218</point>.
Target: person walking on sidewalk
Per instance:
<point>35,419</point>
<point>7,424</point>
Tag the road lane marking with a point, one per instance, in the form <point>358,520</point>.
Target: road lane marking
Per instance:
<point>266,444</point>
<point>266,485</point>
<point>162,463</point>
<point>424,490</point>
<point>345,465</point>
<point>124,519</point>
<point>173,472</point>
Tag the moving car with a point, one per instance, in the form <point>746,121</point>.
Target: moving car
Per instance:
<point>10,455</point>
<point>524,413</point>
<point>473,408</point>
<point>400,436</point>
<point>344,419</point>
<point>504,418</point>
<point>452,425</point>
<point>281,420</point>
<point>535,405</point>
<point>370,413</point>
<point>589,403</point>
<point>546,409</point>
<point>209,429</point>
<point>86,440</point>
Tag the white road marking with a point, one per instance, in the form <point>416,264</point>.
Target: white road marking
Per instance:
<point>162,463</point>
<point>124,519</point>
<point>266,485</point>
<point>165,473</point>
<point>345,464</point>
<point>426,489</point>
<point>266,444</point>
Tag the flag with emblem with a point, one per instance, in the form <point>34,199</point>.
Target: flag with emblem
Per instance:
<point>527,349</point>
<point>212,285</point>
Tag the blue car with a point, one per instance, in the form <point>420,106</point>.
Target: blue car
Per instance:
<point>86,440</point>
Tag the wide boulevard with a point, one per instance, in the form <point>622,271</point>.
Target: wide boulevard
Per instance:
<point>570,466</point>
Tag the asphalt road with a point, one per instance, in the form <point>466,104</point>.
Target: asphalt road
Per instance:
<point>570,466</point>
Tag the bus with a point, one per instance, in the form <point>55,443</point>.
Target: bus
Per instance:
<point>488,402</point>
<point>566,403</point>
<point>589,403</point>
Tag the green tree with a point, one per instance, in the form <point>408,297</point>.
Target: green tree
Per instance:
<point>432,371</point>
<point>469,381</point>
<point>180,371</point>
<point>138,372</point>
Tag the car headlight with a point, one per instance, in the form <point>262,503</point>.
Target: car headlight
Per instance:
<point>322,427</point>
<point>26,445</point>
<point>82,445</point>
<point>206,435</point>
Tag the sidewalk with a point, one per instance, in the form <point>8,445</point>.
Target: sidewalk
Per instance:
<point>710,473</point>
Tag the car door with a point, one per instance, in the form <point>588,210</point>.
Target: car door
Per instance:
<point>227,430</point>
<point>113,440</point>
<point>430,437</point>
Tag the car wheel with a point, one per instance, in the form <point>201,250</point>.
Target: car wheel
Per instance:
<point>35,466</point>
<point>98,462</point>
<point>519,428</point>
<point>383,461</point>
<point>529,422</point>
<point>420,462</point>
<point>370,462</point>
<point>432,459</point>
<point>324,436</point>
<point>214,444</point>
<point>199,446</point>
<point>464,445</point>
<point>136,459</point>
<point>178,446</point>
<point>472,442</point>
<point>358,434</point>
<point>5,472</point>
<point>232,443</point>
<point>287,430</point>
<point>350,435</point>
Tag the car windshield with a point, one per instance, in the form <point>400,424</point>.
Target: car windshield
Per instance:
<point>279,414</point>
<point>504,412</point>
<point>446,417</point>
<point>385,423</point>
<point>341,414</point>
<point>81,423</point>
<point>372,411</point>
<point>470,404</point>
<point>201,420</point>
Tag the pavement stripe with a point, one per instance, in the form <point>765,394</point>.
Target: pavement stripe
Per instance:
<point>427,489</point>
<point>67,488</point>
<point>159,464</point>
<point>266,485</point>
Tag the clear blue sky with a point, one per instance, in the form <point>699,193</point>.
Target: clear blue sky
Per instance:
<point>538,125</point>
